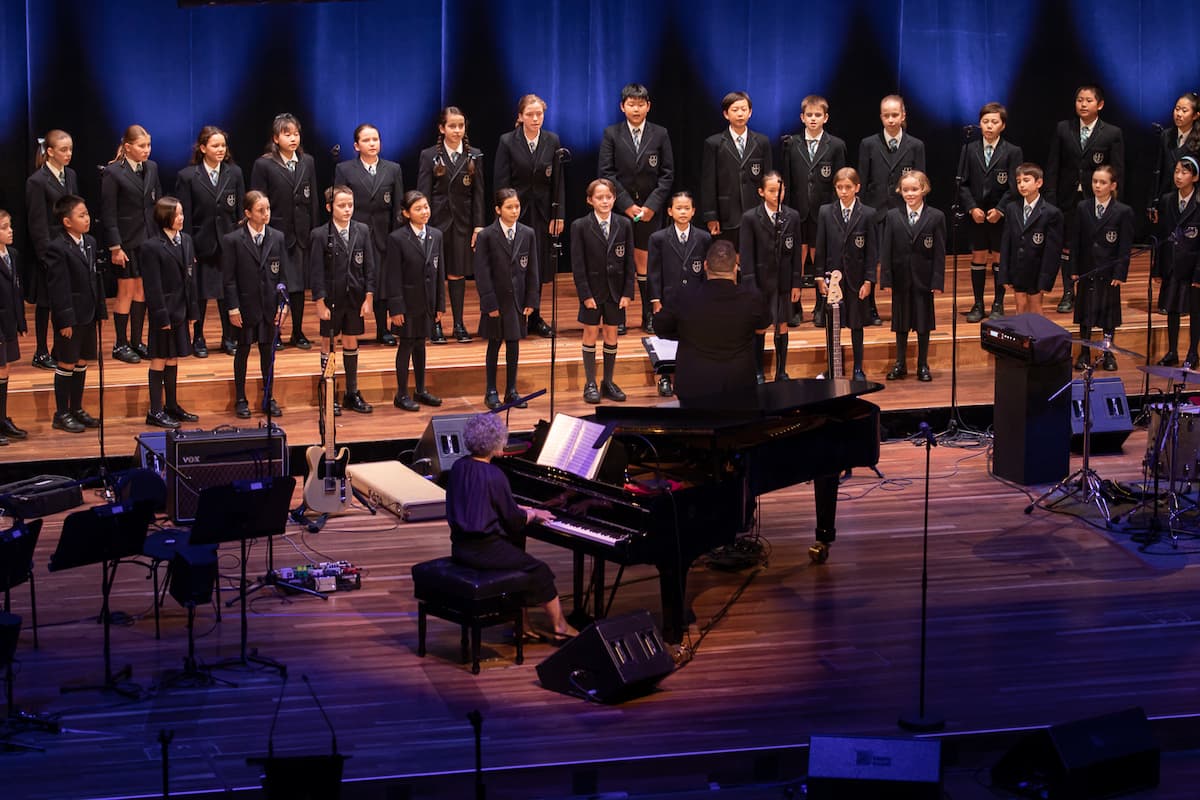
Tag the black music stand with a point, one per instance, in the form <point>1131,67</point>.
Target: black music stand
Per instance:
<point>235,513</point>
<point>192,577</point>
<point>104,535</point>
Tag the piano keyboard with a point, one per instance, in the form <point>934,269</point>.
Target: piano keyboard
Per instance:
<point>583,532</point>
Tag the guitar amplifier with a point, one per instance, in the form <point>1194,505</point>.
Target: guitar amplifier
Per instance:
<point>200,459</point>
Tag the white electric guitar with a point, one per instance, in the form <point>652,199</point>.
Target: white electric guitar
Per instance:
<point>833,306</point>
<point>327,488</point>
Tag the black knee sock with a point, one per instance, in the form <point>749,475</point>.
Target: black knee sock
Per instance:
<point>856,342</point>
<point>156,390</point>
<point>41,329</point>
<point>202,312</point>
<point>381,319</point>
<point>978,281</point>
<point>418,363</point>
<point>458,294</point>
<point>643,292</point>
<point>137,321</point>
<point>997,287</point>
<point>781,353</point>
<point>1068,288</point>
<point>902,349</point>
<point>404,352</point>
<point>296,303</point>
<point>62,389</point>
<point>3,399</point>
<point>1172,331</point>
<point>120,328</point>
<point>512,352</point>
<point>923,349</point>
<point>610,362</point>
<point>78,377</point>
<point>223,313</point>
<point>266,350</point>
<point>589,363</point>
<point>241,359</point>
<point>350,361</point>
<point>171,385</point>
<point>760,351</point>
<point>491,363</point>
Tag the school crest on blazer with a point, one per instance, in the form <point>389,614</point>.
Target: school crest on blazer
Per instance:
<point>274,264</point>
<point>231,199</point>
<point>928,241</point>
<point>826,170</point>
<point>1039,237</point>
<point>1097,158</point>
<point>358,257</point>
<point>905,170</point>
<point>860,240</point>
<point>1110,237</point>
<point>524,261</point>
<point>387,197</point>
<point>1190,232</point>
<point>755,169</point>
<point>697,265</point>
<point>789,242</point>
<point>466,180</point>
<point>619,250</point>
<point>549,170</point>
<point>1002,177</point>
<point>307,190</point>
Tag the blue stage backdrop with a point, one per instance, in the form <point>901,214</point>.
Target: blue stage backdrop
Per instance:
<point>93,67</point>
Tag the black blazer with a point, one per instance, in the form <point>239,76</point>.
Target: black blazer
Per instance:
<point>671,266</point>
<point>167,274</point>
<point>251,274</point>
<point>507,276</point>
<point>913,257</point>
<point>881,170</point>
<point>643,177</point>
<point>603,270</point>
<point>1069,166</point>
<point>1102,246</point>
<point>851,247</point>
<point>76,288</point>
<point>715,322</point>
<point>989,185</point>
<point>415,278</point>
<point>127,204</point>
<point>1179,237</point>
<point>350,274</point>
<point>530,174</point>
<point>42,191</point>
<point>457,199</point>
<point>1031,253</point>
<point>12,298</point>
<point>729,184</point>
<point>757,250</point>
<point>809,181</point>
<point>1169,152</point>
<point>293,196</point>
<point>376,197</point>
<point>210,212</point>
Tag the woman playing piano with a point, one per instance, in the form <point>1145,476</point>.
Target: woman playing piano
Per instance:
<point>487,527</point>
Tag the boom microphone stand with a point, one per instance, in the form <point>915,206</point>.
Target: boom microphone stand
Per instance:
<point>562,157</point>
<point>1144,415</point>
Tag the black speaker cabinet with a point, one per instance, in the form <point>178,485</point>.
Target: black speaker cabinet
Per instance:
<point>197,460</point>
<point>611,660</point>
<point>10,631</point>
<point>441,444</point>
<point>1104,756</point>
<point>853,767</point>
<point>192,574</point>
<point>1111,424</point>
<point>1032,432</point>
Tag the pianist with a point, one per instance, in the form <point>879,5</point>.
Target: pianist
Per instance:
<point>716,323</point>
<point>487,527</point>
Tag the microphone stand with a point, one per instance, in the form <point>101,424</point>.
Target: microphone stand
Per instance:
<point>562,157</point>
<point>923,721</point>
<point>476,720</point>
<point>1143,416</point>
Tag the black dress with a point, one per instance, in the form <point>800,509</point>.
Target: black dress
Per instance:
<point>487,527</point>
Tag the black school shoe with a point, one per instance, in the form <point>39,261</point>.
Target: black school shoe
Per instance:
<point>142,350</point>
<point>426,398</point>
<point>513,398</point>
<point>125,353</point>
<point>63,421</point>
<point>897,372</point>
<point>85,419</point>
<point>301,341</point>
<point>438,336</point>
<point>1110,362</point>
<point>199,347</point>
<point>612,391</point>
<point>43,361</point>
<point>591,394</point>
<point>353,401</point>
<point>405,402</point>
<point>241,409</point>
<point>923,374</point>
<point>7,428</point>
<point>179,414</point>
<point>161,419</point>
<point>492,399</point>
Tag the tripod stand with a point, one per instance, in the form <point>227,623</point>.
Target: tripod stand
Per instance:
<point>104,535</point>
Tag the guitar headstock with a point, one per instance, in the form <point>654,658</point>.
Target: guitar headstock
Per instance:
<point>833,293</point>
<point>330,365</point>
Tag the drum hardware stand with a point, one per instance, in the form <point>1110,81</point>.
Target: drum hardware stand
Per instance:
<point>1143,416</point>
<point>1084,480</point>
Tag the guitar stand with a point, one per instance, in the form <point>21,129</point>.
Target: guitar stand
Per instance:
<point>299,514</point>
<point>1084,480</point>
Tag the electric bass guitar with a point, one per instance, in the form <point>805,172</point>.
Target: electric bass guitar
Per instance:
<point>327,488</point>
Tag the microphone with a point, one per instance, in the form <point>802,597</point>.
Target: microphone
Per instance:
<point>335,151</point>
<point>324,716</point>
<point>275,719</point>
<point>969,131</point>
<point>563,155</point>
<point>475,156</point>
<point>786,140</point>
<point>281,289</point>
<point>926,433</point>
<point>1156,127</point>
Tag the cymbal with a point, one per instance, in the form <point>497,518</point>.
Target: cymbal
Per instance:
<point>1106,346</point>
<point>1175,374</point>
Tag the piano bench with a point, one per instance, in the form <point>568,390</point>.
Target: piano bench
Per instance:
<point>474,599</point>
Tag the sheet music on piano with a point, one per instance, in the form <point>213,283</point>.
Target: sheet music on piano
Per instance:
<point>570,446</point>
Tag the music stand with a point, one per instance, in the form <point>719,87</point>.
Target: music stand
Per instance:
<point>104,535</point>
<point>16,566</point>
<point>235,513</point>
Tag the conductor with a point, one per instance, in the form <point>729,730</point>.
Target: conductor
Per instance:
<point>715,323</point>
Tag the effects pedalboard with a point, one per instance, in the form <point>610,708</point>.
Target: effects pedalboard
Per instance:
<point>328,576</point>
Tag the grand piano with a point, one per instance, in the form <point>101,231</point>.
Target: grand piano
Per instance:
<point>684,480</point>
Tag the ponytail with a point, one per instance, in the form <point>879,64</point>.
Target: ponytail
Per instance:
<point>132,134</point>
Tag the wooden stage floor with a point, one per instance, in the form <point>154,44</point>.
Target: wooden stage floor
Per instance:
<point>456,373</point>
<point>1033,620</point>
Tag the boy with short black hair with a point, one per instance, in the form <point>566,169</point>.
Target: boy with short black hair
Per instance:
<point>987,166</point>
<point>1031,242</point>
<point>1079,146</point>
<point>811,159</point>
<point>636,156</point>
<point>732,166</point>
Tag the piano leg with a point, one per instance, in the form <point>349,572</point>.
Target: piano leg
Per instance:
<point>825,492</point>
<point>673,588</point>
<point>579,616</point>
